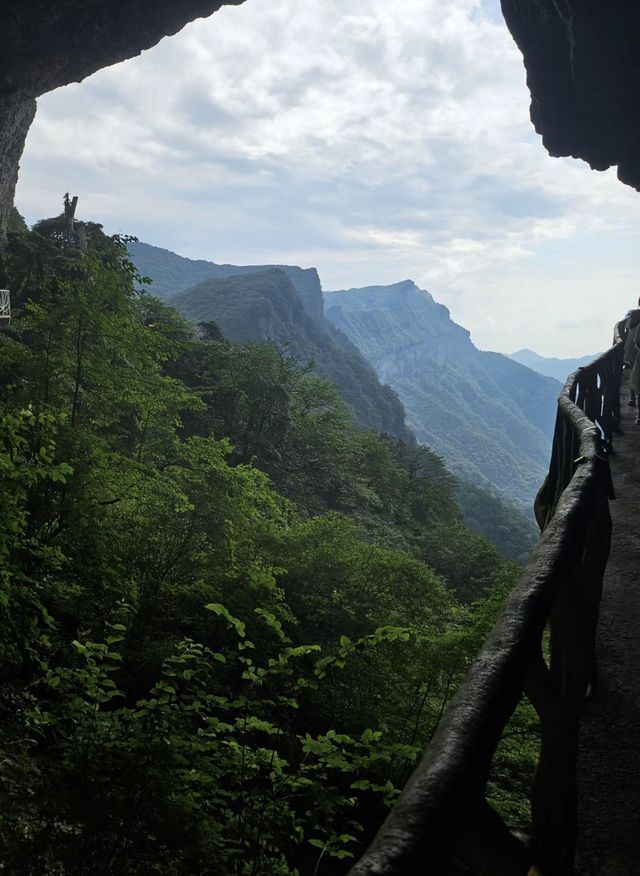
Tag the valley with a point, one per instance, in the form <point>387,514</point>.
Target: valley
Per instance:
<point>390,350</point>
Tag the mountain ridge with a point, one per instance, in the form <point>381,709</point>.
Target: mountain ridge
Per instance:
<point>172,273</point>
<point>266,305</point>
<point>205,300</point>
<point>550,366</point>
<point>488,416</point>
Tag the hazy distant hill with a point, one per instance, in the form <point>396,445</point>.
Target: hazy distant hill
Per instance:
<point>488,416</point>
<point>558,368</point>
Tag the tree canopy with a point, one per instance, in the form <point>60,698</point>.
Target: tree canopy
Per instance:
<point>230,619</point>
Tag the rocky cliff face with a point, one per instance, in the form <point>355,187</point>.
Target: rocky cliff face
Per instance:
<point>258,307</point>
<point>280,304</point>
<point>46,45</point>
<point>583,71</point>
<point>172,274</point>
<point>15,118</point>
<point>399,325</point>
<point>489,417</point>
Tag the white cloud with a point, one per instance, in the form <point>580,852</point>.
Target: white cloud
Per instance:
<point>376,141</point>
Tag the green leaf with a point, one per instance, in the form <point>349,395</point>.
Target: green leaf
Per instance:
<point>221,611</point>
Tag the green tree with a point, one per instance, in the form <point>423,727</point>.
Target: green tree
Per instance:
<point>148,471</point>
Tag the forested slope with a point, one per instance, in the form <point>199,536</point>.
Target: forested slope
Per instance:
<point>489,417</point>
<point>253,303</point>
<point>230,619</point>
<point>266,306</point>
<point>172,273</point>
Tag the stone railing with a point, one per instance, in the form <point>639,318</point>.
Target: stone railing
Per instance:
<point>442,822</point>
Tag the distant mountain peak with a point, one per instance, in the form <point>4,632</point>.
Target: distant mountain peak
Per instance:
<point>389,289</point>
<point>489,417</point>
<point>409,285</point>
<point>280,303</point>
<point>550,366</point>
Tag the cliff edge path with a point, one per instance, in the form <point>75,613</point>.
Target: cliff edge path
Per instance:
<point>609,758</point>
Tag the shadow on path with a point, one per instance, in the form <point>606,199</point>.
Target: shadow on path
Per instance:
<point>609,760</point>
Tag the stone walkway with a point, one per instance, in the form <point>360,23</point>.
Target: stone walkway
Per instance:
<point>609,764</point>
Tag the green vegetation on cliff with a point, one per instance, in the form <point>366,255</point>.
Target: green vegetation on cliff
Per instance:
<point>231,619</point>
<point>284,304</point>
<point>266,306</point>
<point>512,532</point>
<point>280,303</point>
<point>172,273</point>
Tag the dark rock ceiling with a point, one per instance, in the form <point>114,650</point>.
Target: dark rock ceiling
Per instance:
<point>46,44</point>
<point>583,71</point>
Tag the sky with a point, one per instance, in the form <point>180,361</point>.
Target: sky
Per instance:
<point>375,141</point>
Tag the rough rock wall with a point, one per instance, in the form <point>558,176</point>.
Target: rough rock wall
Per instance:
<point>47,44</point>
<point>583,71</point>
<point>15,117</point>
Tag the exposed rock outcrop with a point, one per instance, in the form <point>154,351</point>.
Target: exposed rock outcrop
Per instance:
<point>172,274</point>
<point>15,117</point>
<point>46,45</point>
<point>583,71</point>
<point>281,304</point>
<point>490,418</point>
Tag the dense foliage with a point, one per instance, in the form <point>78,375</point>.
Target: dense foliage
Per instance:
<point>230,620</point>
<point>512,532</point>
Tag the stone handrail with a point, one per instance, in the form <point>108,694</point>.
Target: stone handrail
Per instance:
<point>442,822</point>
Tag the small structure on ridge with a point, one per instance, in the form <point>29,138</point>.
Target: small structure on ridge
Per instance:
<point>5,308</point>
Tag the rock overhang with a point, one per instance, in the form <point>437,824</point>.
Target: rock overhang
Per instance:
<point>49,44</point>
<point>582,59</point>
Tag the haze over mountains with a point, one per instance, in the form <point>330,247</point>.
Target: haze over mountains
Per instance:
<point>489,417</point>
<point>172,273</point>
<point>387,349</point>
<point>551,367</point>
